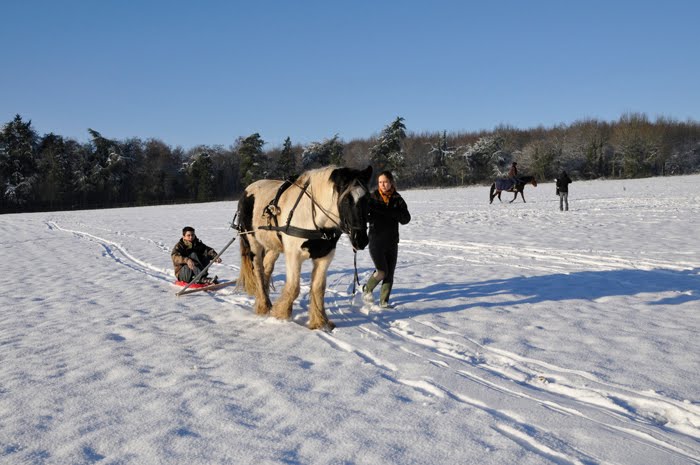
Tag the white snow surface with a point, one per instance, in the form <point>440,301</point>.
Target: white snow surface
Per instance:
<point>521,335</point>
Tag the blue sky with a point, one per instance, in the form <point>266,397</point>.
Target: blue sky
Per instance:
<point>208,72</point>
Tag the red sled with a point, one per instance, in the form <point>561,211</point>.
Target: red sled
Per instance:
<point>192,286</point>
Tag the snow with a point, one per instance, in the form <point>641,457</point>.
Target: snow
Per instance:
<point>521,334</point>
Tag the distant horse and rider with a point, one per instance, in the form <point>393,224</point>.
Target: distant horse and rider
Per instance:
<point>303,219</point>
<point>515,185</point>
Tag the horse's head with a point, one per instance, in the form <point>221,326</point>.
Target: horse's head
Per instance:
<point>351,188</point>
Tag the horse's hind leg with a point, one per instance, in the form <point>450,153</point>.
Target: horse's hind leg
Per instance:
<point>269,266</point>
<point>282,308</point>
<point>317,311</point>
<point>262,294</point>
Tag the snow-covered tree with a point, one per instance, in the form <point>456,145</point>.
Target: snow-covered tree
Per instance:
<point>483,157</point>
<point>319,154</point>
<point>386,153</point>
<point>18,166</point>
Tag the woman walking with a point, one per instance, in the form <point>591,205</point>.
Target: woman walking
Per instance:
<point>387,209</point>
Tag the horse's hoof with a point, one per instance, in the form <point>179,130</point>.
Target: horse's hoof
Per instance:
<point>262,310</point>
<point>328,326</point>
<point>281,315</point>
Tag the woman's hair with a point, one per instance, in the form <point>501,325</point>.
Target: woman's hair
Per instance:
<point>387,174</point>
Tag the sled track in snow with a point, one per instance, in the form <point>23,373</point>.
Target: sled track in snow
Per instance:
<point>648,419</point>
<point>547,260</point>
<point>645,418</point>
<point>118,253</point>
<point>121,255</point>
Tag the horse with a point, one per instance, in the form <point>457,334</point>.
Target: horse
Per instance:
<point>314,210</point>
<point>516,185</point>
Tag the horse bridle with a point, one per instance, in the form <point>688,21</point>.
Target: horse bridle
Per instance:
<point>342,223</point>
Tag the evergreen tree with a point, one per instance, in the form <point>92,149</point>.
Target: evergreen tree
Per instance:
<point>253,162</point>
<point>56,170</point>
<point>320,154</point>
<point>287,162</point>
<point>387,153</point>
<point>18,165</point>
<point>200,177</point>
<point>107,171</point>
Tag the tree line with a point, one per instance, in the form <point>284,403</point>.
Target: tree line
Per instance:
<point>52,172</point>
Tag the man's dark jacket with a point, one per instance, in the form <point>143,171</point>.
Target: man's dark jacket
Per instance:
<point>182,251</point>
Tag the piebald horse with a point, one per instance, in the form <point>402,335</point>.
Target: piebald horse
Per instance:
<point>303,220</point>
<point>516,186</point>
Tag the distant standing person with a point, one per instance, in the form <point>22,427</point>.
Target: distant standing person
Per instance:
<point>387,209</point>
<point>190,256</point>
<point>563,182</point>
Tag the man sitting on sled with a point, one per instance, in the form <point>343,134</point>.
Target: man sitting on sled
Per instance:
<point>190,256</point>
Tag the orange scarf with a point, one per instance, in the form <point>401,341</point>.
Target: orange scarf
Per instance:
<point>386,197</point>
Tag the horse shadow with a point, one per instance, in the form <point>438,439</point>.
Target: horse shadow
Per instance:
<point>584,285</point>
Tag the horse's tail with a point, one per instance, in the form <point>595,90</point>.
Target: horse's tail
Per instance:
<point>246,276</point>
<point>491,194</point>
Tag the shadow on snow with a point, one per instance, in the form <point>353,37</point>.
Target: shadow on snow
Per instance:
<point>585,285</point>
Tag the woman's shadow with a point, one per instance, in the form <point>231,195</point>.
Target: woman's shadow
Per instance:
<point>584,285</point>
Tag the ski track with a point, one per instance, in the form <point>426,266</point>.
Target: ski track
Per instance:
<point>113,250</point>
<point>642,416</point>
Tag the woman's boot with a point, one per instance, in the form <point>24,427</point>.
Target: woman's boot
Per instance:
<point>384,295</point>
<point>368,288</point>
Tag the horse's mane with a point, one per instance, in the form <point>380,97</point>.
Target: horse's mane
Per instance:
<point>320,190</point>
<point>318,178</point>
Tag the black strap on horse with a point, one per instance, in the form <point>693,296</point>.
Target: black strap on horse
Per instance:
<point>356,280</point>
<point>272,210</point>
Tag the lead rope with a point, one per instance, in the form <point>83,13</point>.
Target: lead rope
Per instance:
<point>357,278</point>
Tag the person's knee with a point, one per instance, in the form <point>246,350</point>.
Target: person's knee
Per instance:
<point>379,275</point>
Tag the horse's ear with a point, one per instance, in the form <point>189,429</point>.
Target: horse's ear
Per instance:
<point>366,174</point>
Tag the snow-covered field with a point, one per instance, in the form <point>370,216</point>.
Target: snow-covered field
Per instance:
<point>521,335</point>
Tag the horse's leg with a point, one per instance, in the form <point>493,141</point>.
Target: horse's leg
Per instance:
<point>282,308</point>
<point>269,266</point>
<point>515,196</point>
<point>491,192</point>
<point>317,311</point>
<point>262,294</point>
<point>498,193</point>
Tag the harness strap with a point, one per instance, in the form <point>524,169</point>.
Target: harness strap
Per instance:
<point>313,234</point>
<point>301,194</point>
<point>357,278</point>
<point>272,210</point>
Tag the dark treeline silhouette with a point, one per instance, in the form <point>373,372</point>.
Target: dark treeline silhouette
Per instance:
<point>51,172</point>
